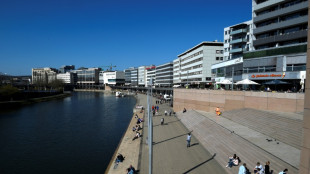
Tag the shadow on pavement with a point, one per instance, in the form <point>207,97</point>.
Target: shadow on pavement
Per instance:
<point>200,164</point>
<point>194,144</point>
<point>169,139</point>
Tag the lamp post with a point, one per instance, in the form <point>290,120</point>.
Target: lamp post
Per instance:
<point>150,125</point>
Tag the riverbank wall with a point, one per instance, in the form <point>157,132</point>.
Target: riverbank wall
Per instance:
<point>208,100</point>
<point>19,103</point>
<point>128,147</point>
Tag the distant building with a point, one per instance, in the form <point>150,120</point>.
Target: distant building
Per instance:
<point>194,65</point>
<point>164,75</point>
<point>114,78</point>
<point>43,75</point>
<point>150,74</point>
<point>87,77</point>
<point>141,76</point>
<point>67,78</point>
<point>101,78</point>
<point>128,73</point>
<point>66,68</point>
<point>134,77</point>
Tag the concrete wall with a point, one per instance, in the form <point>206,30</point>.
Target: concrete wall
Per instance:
<point>304,167</point>
<point>208,100</point>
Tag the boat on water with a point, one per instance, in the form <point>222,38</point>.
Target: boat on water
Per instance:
<point>119,94</point>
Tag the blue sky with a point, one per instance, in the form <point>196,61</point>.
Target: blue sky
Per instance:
<point>92,33</point>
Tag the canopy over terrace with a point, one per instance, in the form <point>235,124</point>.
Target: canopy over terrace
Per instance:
<point>246,82</point>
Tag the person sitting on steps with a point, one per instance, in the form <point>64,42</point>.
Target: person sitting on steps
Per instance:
<point>233,161</point>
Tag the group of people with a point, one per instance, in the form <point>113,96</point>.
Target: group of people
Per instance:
<point>137,127</point>
<point>258,169</point>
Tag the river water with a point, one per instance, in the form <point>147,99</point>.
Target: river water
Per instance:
<point>78,134</point>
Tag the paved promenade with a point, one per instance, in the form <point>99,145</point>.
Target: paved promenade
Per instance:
<point>170,154</point>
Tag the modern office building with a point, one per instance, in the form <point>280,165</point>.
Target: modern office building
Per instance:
<point>101,78</point>
<point>67,78</point>
<point>128,76</point>
<point>279,41</point>
<point>194,65</point>
<point>164,75</point>
<point>114,78</point>
<point>87,77</point>
<point>237,39</point>
<point>43,76</point>
<point>150,74</point>
<point>141,76</point>
<point>134,77</point>
<point>66,68</point>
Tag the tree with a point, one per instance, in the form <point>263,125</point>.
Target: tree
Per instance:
<point>8,91</point>
<point>57,84</point>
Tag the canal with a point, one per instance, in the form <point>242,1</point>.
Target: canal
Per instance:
<point>77,134</point>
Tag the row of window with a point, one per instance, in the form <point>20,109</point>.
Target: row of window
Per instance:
<point>191,56</point>
<point>282,18</point>
<point>191,73</point>
<point>283,31</point>
<point>285,43</point>
<point>191,80</point>
<point>193,61</point>
<point>280,6</point>
<point>190,68</point>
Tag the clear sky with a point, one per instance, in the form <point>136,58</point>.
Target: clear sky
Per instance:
<point>92,33</point>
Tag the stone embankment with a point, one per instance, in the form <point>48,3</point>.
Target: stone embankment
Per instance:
<point>13,104</point>
<point>128,147</point>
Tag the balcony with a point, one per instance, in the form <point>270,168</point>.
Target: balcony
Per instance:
<point>302,48</point>
<point>280,12</point>
<point>266,4</point>
<point>240,40</point>
<point>236,50</point>
<point>283,24</point>
<point>238,31</point>
<point>281,38</point>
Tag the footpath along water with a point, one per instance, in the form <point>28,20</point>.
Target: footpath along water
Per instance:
<point>170,154</point>
<point>78,134</point>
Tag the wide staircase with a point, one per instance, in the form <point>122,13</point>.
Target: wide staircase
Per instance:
<point>287,130</point>
<point>250,137</point>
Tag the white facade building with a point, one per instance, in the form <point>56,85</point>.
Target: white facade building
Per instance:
<point>134,77</point>
<point>114,78</point>
<point>194,65</point>
<point>164,75</point>
<point>68,77</point>
<point>141,75</point>
<point>43,75</point>
<point>237,40</point>
<point>150,73</point>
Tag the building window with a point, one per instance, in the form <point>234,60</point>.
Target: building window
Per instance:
<point>217,58</point>
<point>221,58</point>
<point>219,51</point>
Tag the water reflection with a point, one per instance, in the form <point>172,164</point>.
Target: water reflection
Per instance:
<point>75,135</point>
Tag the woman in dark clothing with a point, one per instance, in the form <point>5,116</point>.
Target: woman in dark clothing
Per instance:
<point>267,169</point>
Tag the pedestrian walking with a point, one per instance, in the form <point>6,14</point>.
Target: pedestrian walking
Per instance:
<point>162,121</point>
<point>188,140</point>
